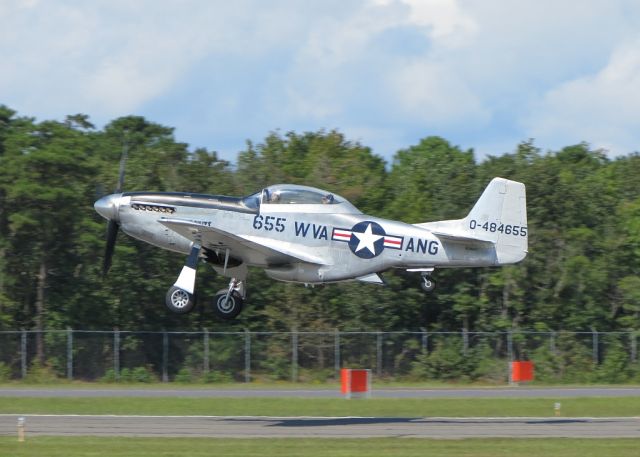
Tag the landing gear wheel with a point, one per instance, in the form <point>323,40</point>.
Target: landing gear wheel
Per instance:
<point>427,283</point>
<point>227,308</point>
<point>179,301</point>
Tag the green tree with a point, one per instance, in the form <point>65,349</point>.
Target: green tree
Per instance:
<point>44,168</point>
<point>432,181</point>
<point>323,159</point>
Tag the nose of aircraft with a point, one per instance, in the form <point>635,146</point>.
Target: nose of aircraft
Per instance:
<point>107,206</point>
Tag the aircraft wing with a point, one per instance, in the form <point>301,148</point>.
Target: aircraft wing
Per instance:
<point>252,249</point>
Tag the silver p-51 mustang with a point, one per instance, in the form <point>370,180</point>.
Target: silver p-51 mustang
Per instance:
<point>311,236</point>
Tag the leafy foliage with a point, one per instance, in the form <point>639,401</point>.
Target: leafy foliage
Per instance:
<point>581,273</point>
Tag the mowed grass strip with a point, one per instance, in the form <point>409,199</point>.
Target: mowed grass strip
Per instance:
<point>194,447</point>
<point>379,407</point>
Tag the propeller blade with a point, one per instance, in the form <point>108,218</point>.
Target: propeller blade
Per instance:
<point>112,233</point>
<point>112,226</point>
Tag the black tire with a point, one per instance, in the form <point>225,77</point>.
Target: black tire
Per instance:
<point>428,284</point>
<point>179,301</point>
<point>231,308</point>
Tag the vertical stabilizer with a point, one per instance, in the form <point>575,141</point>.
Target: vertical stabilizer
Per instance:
<point>499,217</point>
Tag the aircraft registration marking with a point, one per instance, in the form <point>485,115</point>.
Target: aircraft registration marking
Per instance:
<point>269,223</point>
<point>507,229</point>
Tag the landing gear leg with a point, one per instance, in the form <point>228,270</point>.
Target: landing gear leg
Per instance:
<point>227,303</point>
<point>180,297</point>
<point>427,283</point>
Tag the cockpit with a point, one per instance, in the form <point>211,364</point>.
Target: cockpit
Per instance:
<point>291,194</point>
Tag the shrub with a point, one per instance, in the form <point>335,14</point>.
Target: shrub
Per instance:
<point>615,367</point>
<point>5,372</point>
<point>109,376</point>
<point>446,362</point>
<point>41,374</point>
<point>218,376</point>
<point>142,374</point>
<point>184,375</point>
<point>137,374</point>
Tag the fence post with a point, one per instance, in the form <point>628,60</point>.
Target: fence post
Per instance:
<point>552,343</point>
<point>595,346</point>
<point>294,356</point>
<point>23,353</point>
<point>634,346</point>
<point>509,354</point>
<point>247,356</point>
<point>165,357</point>
<point>379,354</point>
<point>425,340</point>
<point>205,343</point>
<point>69,354</point>
<point>465,341</point>
<point>336,352</point>
<point>116,354</point>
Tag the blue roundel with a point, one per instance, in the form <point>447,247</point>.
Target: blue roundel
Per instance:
<point>367,239</point>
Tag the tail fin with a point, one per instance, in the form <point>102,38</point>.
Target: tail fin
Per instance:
<point>499,217</point>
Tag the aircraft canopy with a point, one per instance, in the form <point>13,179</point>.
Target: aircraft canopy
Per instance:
<point>292,194</point>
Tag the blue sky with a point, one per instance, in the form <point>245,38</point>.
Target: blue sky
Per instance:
<point>484,74</point>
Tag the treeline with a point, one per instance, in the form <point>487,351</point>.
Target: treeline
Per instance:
<point>582,272</point>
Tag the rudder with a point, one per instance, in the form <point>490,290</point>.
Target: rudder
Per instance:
<point>500,216</point>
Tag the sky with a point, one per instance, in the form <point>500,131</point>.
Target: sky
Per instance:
<point>483,74</point>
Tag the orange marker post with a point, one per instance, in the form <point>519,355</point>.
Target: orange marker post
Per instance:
<point>355,383</point>
<point>522,371</point>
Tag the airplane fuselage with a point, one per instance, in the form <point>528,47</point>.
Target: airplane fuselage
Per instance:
<point>346,246</point>
<point>308,235</point>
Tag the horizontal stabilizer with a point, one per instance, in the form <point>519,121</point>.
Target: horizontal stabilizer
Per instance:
<point>457,236</point>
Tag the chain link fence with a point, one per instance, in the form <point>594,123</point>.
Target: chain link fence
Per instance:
<point>127,356</point>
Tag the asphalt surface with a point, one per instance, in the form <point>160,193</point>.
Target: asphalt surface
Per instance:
<point>322,427</point>
<point>489,392</point>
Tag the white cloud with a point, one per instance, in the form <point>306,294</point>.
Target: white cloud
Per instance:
<point>602,109</point>
<point>82,58</point>
<point>434,94</point>
<point>442,20</point>
<point>422,87</point>
<point>448,22</point>
<point>478,72</point>
<point>112,57</point>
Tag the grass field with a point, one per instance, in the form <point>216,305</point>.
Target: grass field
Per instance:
<point>382,407</point>
<point>166,447</point>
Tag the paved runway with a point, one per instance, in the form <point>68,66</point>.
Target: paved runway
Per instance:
<point>322,427</point>
<point>489,392</point>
